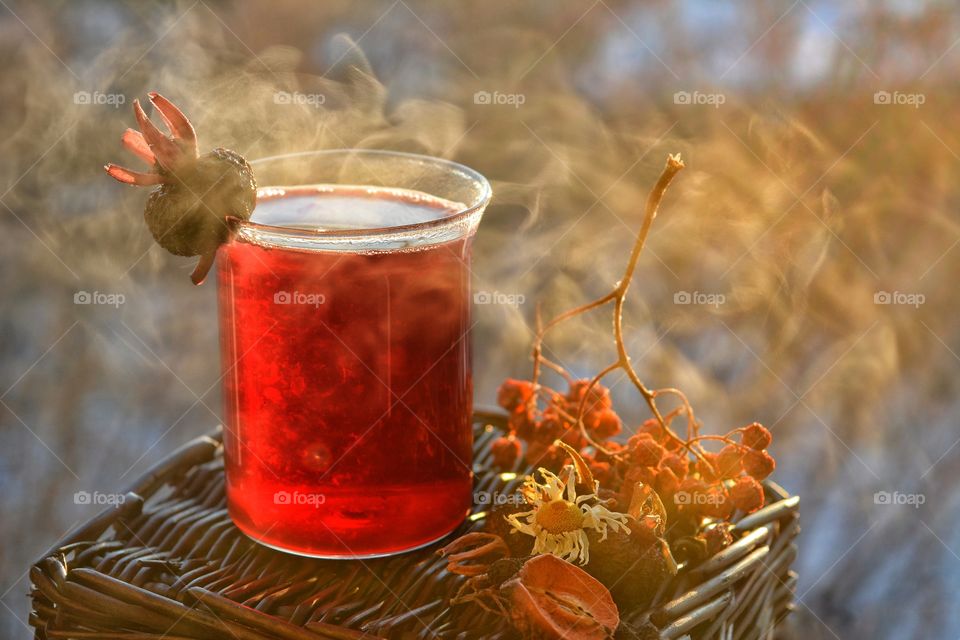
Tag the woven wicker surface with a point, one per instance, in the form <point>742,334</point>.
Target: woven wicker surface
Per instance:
<point>169,563</point>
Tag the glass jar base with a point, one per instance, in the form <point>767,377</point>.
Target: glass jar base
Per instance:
<point>344,556</point>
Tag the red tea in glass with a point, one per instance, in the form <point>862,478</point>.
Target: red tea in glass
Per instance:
<point>344,326</point>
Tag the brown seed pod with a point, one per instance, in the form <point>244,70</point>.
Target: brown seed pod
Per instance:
<point>634,564</point>
<point>198,198</point>
<point>496,523</point>
<point>550,598</point>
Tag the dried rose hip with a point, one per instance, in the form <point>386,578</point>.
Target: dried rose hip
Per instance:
<point>667,483</point>
<point>597,400</point>
<point>551,598</point>
<point>758,464</point>
<point>635,474</point>
<point>707,466</point>
<point>676,463</point>
<point>505,452</point>
<point>605,424</point>
<point>757,436</point>
<point>652,426</point>
<point>747,494</point>
<point>522,422</point>
<point>189,211</point>
<point>514,394</point>
<point>634,564</point>
<point>715,503</point>
<point>645,451</point>
<point>729,461</point>
<point>602,471</point>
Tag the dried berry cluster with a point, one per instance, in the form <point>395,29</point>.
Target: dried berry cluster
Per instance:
<point>694,481</point>
<point>541,429</point>
<point>614,503</point>
<point>697,487</point>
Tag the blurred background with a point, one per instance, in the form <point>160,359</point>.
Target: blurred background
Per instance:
<point>799,273</point>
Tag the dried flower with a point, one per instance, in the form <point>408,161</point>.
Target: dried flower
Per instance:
<point>560,518</point>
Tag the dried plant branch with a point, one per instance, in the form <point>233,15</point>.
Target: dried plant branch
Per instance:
<point>618,296</point>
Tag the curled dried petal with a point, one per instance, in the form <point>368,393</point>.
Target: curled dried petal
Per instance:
<point>465,554</point>
<point>135,142</point>
<point>178,123</point>
<point>129,176</point>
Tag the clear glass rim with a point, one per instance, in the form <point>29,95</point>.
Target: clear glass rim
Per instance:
<point>470,209</point>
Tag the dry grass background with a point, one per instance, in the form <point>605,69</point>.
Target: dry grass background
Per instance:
<point>802,200</point>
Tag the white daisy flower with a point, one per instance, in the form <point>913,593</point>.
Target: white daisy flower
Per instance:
<point>560,519</point>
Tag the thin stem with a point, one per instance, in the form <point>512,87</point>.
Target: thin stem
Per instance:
<point>617,296</point>
<point>558,368</point>
<point>569,313</point>
<point>723,439</point>
<point>687,408</point>
<point>583,404</point>
<point>537,346</point>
